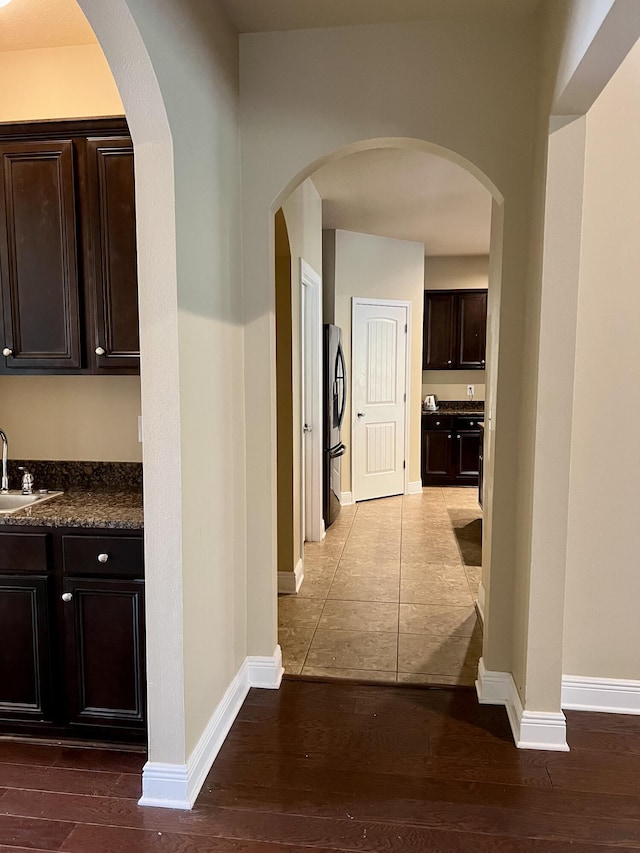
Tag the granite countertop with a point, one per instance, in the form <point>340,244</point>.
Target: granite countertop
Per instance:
<point>457,409</point>
<point>108,508</point>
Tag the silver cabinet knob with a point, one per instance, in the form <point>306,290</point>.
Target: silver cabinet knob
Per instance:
<point>103,558</point>
<point>67,596</point>
<point>482,362</point>
<point>437,423</point>
<point>100,351</point>
<point>449,362</point>
<point>6,351</point>
<point>457,436</point>
<point>449,436</point>
<point>471,424</point>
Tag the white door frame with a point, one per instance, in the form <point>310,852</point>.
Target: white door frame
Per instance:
<point>387,303</point>
<point>311,397</point>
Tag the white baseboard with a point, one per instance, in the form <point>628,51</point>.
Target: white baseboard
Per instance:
<point>531,729</point>
<point>415,488</point>
<point>176,786</point>
<point>609,695</point>
<point>346,498</point>
<point>290,582</point>
<point>480,601</point>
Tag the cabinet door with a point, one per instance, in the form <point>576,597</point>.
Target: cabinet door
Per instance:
<point>466,459</point>
<point>439,330</point>
<point>104,633</point>
<point>38,256</point>
<point>436,456</point>
<point>25,663</point>
<point>112,276</point>
<point>472,325</point>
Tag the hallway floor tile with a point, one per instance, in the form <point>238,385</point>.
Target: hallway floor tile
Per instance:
<point>389,594</point>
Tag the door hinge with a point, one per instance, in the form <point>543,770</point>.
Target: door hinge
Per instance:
<point>405,396</point>
<point>404,464</point>
<point>406,328</point>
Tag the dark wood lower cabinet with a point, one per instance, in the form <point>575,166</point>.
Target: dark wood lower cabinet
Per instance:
<point>450,450</point>
<point>25,662</point>
<point>104,631</point>
<point>72,633</point>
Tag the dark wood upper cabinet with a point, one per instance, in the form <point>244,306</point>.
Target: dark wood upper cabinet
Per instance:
<point>112,258</point>
<point>454,329</point>
<point>472,329</point>
<point>439,330</point>
<point>38,256</point>
<point>68,264</point>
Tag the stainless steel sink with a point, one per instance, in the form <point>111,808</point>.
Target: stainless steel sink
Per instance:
<point>14,501</point>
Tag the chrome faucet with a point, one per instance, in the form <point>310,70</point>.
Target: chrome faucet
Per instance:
<point>4,486</point>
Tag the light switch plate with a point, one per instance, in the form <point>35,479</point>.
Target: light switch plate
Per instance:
<point>471,390</point>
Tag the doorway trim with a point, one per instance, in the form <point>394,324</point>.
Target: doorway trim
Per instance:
<point>311,403</point>
<point>387,303</point>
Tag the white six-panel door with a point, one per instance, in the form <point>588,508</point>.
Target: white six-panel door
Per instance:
<point>379,383</point>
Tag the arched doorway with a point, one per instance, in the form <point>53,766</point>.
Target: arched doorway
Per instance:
<point>305,630</point>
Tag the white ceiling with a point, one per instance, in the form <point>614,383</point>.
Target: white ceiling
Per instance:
<point>251,16</point>
<point>26,24</point>
<point>408,195</point>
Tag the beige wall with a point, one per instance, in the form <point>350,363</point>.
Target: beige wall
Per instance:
<point>84,418</point>
<point>73,417</point>
<point>421,71</point>
<point>602,629</point>
<point>58,82</point>
<point>187,194</point>
<point>381,268</point>
<point>303,215</point>
<point>460,272</point>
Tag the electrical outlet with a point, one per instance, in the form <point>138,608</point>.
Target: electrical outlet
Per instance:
<point>471,390</point>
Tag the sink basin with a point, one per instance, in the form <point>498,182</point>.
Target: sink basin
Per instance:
<point>14,501</point>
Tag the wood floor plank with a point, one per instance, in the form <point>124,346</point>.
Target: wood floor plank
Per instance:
<point>115,761</point>
<point>264,804</point>
<point>349,837</point>
<point>113,840</point>
<point>39,778</point>
<point>26,832</point>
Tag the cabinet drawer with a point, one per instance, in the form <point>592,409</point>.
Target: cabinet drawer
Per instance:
<point>24,552</point>
<point>436,421</point>
<point>103,555</point>
<point>467,422</point>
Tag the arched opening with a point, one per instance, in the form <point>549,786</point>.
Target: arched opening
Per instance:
<point>307,619</point>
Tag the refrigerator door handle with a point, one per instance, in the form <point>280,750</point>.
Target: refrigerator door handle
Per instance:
<point>340,450</point>
<point>340,363</point>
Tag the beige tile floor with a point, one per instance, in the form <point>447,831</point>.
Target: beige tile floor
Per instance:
<point>389,594</point>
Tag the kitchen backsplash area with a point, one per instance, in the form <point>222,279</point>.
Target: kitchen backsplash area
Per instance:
<point>90,476</point>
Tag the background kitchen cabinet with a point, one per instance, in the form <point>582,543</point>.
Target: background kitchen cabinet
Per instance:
<point>450,450</point>
<point>67,248</point>
<point>454,329</point>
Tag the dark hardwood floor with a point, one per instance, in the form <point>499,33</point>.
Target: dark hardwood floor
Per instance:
<point>330,766</point>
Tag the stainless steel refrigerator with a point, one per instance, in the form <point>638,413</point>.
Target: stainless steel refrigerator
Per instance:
<point>335,401</point>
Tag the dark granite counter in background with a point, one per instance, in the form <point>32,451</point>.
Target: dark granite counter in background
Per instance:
<point>456,407</point>
<point>96,494</point>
